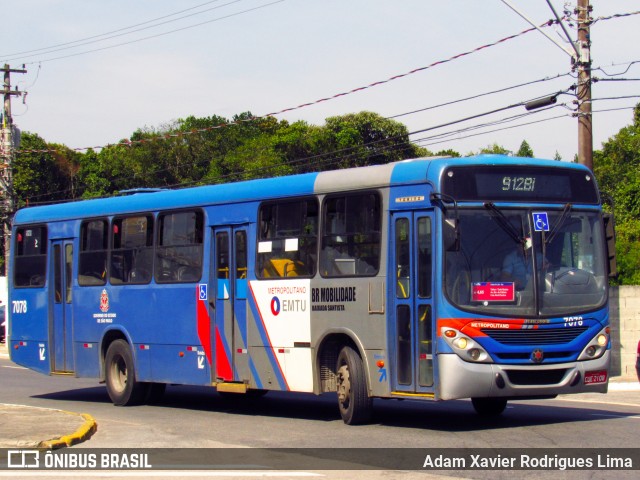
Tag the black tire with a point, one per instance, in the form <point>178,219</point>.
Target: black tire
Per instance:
<point>354,402</point>
<point>489,406</point>
<point>120,376</point>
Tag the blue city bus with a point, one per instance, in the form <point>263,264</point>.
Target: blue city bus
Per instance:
<point>429,279</point>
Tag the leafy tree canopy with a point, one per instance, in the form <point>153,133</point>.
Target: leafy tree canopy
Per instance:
<point>524,150</point>
<point>495,149</point>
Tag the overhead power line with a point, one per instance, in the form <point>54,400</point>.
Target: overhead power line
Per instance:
<point>628,64</point>
<point>473,97</point>
<point>411,72</point>
<point>235,14</point>
<point>454,135</point>
<point>81,41</point>
<point>616,15</point>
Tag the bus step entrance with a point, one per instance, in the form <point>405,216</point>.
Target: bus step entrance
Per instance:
<point>231,387</point>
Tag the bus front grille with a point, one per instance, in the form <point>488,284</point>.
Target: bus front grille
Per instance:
<point>538,336</point>
<point>536,377</point>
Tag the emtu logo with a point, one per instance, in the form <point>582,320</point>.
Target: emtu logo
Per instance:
<point>275,306</point>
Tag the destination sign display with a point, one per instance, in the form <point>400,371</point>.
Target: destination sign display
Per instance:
<point>519,184</point>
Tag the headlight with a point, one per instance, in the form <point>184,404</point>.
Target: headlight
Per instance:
<point>465,347</point>
<point>597,346</point>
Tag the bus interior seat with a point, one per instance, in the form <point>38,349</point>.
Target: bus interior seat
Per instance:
<point>187,274</point>
<point>284,267</point>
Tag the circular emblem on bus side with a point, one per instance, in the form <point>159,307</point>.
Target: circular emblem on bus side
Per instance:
<point>275,306</point>
<point>104,301</point>
<point>537,356</point>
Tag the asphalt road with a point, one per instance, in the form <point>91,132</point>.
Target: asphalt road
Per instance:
<point>190,417</point>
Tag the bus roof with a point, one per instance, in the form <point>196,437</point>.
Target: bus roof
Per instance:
<point>146,200</point>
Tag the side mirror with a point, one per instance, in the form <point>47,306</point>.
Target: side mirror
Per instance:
<point>610,236</point>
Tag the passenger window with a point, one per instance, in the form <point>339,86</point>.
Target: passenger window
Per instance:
<point>288,239</point>
<point>179,250</point>
<point>92,267</point>
<point>403,256</point>
<point>425,257</point>
<point>30,257</point>
<point>241,255</point>
<point>351,235</point>
<point>132,250</point>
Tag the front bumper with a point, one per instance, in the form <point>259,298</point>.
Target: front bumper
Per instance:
<point>460,379</point>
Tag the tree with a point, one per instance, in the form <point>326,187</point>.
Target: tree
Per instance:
<point>37,173</point>
<point>447,153</point>
<point>255,158</point>
<point>302,146</point>
<point>91,178</point>
<point>524,150</point>
<point>366,138</point>
<point>495,149</point>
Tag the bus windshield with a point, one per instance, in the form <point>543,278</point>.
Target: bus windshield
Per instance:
<point>527,263</point>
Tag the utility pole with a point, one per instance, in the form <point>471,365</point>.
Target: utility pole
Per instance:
<point>583,92</point>
<point>7,154</point>
<point>581,63</point>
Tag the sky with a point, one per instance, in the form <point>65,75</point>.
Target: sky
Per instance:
<point>225,57</point>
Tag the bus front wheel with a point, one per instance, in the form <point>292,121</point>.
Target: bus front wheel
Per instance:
<point>353,397</point>
<point>120,376</point>
<point>489,406</point>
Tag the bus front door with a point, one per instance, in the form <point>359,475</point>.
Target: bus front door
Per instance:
<point>61,325</point>
<point>410,328</point>
<point>229,330</point>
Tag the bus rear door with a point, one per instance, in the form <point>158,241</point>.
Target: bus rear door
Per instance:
<point>411,316</point>
<point>61,326</point>
<point>229,335</point>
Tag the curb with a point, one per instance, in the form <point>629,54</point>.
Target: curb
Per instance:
<point>627,386</point>
<point>88,428</point>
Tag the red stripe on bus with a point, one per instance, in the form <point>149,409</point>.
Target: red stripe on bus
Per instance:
<point>203,324</point>
<point>223,365</point>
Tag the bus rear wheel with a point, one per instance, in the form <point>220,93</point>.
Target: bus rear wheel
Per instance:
<point>122,386</point>
<point>356,406</point>
<point>489,406</point>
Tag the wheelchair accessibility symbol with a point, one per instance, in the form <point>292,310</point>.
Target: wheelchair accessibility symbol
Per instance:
<point>202,291</point>
<point>541,222</point>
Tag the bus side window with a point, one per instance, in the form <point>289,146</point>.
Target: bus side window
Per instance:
<point>178,257</point>
<point>351,238</point>
<point>92,266</point>
<point>288,239</point>
<point>30,257</point>
<point>132,250</point>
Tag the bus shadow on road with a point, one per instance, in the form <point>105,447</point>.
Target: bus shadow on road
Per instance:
<point>455,415</point>
<point>460,416</point>
<point>206,399</point>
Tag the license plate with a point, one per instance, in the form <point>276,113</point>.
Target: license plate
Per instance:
<point>595,377</point>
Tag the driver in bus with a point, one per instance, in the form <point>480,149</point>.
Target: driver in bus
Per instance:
<point>517,267</point>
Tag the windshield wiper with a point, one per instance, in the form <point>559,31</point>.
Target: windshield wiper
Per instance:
<point>505,224</point>
<point>559,223</point>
